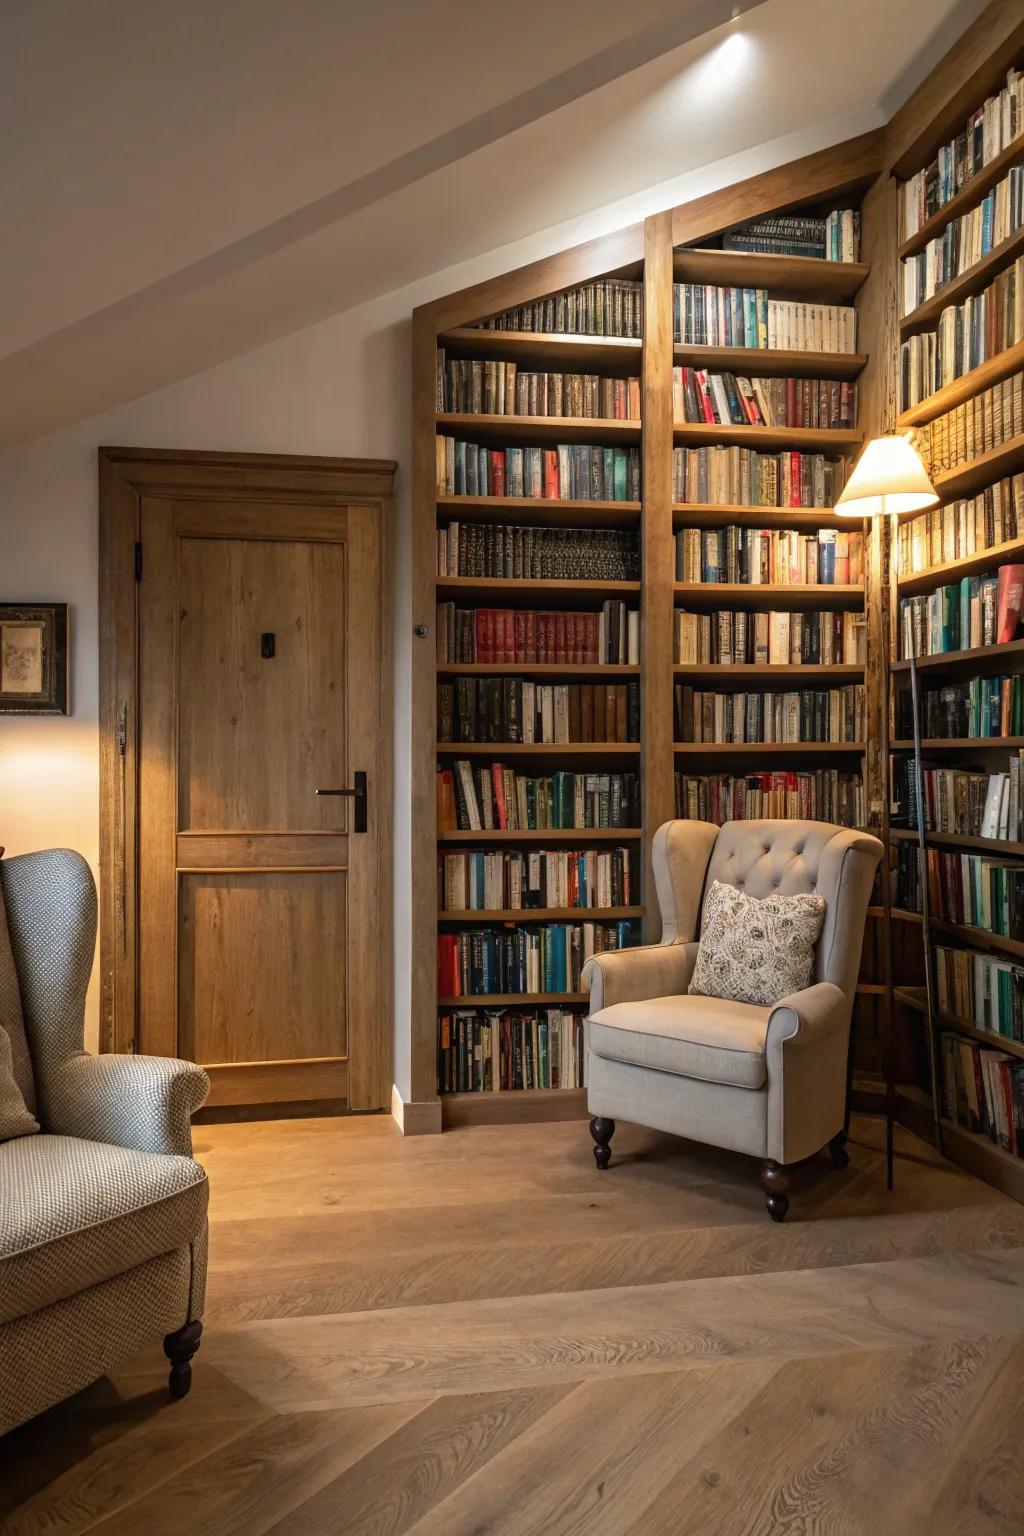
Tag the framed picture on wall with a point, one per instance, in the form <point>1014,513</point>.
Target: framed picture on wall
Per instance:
<point>33,658</point>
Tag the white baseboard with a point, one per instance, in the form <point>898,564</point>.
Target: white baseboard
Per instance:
<point>420,1117</point>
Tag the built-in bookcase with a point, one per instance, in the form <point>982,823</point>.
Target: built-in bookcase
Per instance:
<point>960,232</point>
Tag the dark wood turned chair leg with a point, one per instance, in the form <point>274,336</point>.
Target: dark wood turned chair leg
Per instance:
<point>602,1131</point>
<point>837,1147</point>
<point>179,1348</point>
<point>774,1180</point>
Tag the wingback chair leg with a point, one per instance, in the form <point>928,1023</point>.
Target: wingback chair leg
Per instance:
<point>774,1180</point>
<point>602,1131</point>
<point>837,1147</point>
<point>179,1348</point>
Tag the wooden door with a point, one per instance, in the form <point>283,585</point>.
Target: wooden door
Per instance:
<point>258,943</point>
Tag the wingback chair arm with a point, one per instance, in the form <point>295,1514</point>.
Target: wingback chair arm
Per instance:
<point>632,975</point>
<point>804,1016</point>
<point>143,1102</point>
<point>806,1049</point>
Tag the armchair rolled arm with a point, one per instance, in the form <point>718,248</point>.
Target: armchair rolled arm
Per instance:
<point>632,975</point>
<point>805,1016</point>
<point>805,1052</point>
<point>144,1102</point>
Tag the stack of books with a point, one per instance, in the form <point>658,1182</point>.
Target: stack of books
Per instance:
<point>778,556</point>
<point>568,472</point>
<point>830,237</point>
<point>468,385</point>
<point>963,801</point>
<point>987,132</point>
<point>504,880</point>
<point>497,798</point>
<point>962,528</point>
<point>498,1050</point>
<point>512,553</point>
<point>728,399</point>
<point>982,991</point>
<point>611,306</point>
<point>829,794</point>
<point>508,635</point>
<point>808,715</point>
<point>516,709</point>
<point>742,477</point>
<point>984,892</point>
<point>708,316</point>
<point>732,638</point>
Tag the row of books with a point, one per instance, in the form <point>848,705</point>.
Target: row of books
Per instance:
<point>984,706</point>
<point>516,709</point>
<point>981,891</point>
<point>965,241</point>
<point>962,615</point>
<point>966,335</point>
<point>499,1051</point>
<point>987,132</point>
<point>828,237</point>
<point>502,389</point>
<point>570,472</point>
<point>732,638</point>
<point>982,991</point>
<point>611,306</point>
<point>963,801</point>
<point>505,880</point>
<point>962,528</point>
<point>985,421</point>
<point>806,714</point>
<point>518,552</point>
<point>983,1090</point>
<point>509,635</point>
<point>779,556</point>
<point>704,315</point>
<point>548,957</point>
<point>729,399</point>
<point>495,797</point>
<point>829,794</point>
<point>743,477</point>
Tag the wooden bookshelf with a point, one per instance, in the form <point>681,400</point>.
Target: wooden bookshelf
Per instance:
<point>994,464</point>
<point>545,835</point>
<point>538,429</point>
<point>560,670</point>
<point>960,840</point>
<point>768,749</point>
<point>541,915</point>
<point>955,570</point>
<point>784,673</point>
<point>967,198</point>
<point>769,362</point>
<point>539,511</point>
<point>488,590</point>
<point>961,744</point>
<point>512,999</point>
<point>767,595</point>
<point>550,353</point>
<point>980,659</point>
<point>703,515</point>
<point>785,277</point>
<point>769,439</point>
<point>498,749</point>
<point>963,287</point>
<point>1010,360</point>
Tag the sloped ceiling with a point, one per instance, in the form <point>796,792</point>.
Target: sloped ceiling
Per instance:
<point>184,182</point>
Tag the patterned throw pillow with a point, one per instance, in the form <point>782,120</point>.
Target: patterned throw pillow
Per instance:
<point>756,951</point>
<point>15,1118</point>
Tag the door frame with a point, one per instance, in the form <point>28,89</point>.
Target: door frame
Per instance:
<point>126,475</point>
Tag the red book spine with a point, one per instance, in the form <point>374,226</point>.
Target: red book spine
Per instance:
<point>521,620</point>
<point>497,472</point>
<point>592,638</point>
<point>543,636</point>
<point>498,783</point>
<point>489,633</point>
<point>531,637</point>
<point>794,479</point>
<point>480,635</point>
<point>551,473</point>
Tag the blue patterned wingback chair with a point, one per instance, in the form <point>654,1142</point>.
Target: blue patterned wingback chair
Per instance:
<point>103,1210</point>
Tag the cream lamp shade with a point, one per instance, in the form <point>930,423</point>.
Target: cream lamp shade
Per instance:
<point>888,477</point>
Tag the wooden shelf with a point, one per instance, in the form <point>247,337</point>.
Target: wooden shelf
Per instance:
<point>771,362</point>
<point>545,835</point>
<point>550,350</point>
<point>747,672</point>
<point>762,595</point>
<point>994,464</point>
<point>690,514</point>
<point>959,840</point>
<point>768,748</point>
<point>981,1156</point>
<point>968,197</point>
<point>982,658</point>
<point>540,429</point>
<point>542,915</point>
<point>979,938</point>
<point>498,592</point>
<point>507,999</point>
<point>540,510</point>
<point>955,570</point>
<point>912,997</point>
<point>552,669</point>
<point>984,1036</point>
<point>960,744</point>
<point>1010,360</point>
<point>803,277</point>
<point>968,283</point>
<point>497,749</point>
<point>764,439</point>
<point>513,1106</point>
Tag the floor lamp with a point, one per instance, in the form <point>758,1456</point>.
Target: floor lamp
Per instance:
<point>887,480</point>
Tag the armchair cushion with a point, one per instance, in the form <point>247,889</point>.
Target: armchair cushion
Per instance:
<point>756,950</point>
<point>79,1212</point>
<point>709,1038</point>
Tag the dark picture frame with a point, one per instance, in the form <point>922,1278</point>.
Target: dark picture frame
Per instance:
<point>33,658</point>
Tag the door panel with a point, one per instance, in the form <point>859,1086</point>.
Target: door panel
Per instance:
<point>261,966</point>
<point>259,921</point>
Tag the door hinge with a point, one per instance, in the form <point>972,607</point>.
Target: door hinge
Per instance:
<point>138,562</point>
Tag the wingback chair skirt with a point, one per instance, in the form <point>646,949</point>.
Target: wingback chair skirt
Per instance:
<point>102,1207</point>
<point>769,1081</point>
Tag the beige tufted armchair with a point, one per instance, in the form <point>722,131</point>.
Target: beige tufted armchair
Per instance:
<point>767,1081</point>
<point>103,1210</point>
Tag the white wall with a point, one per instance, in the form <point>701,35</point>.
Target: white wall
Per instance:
<point>339,387</point>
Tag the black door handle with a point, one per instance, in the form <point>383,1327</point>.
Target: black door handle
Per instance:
<point>358,794</point>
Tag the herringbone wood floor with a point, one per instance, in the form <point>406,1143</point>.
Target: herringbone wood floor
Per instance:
<point>479,1335</point>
